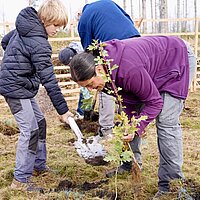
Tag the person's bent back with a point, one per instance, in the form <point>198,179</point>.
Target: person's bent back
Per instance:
<point>105,20</point>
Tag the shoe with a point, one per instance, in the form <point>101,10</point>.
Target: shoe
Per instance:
<point>104,138</point>
<point>43,172</point>
<point>78,116</point>
<point>120,170</point>
<point>27,186</point>
<point>160,194</point>
<point>104,132</point>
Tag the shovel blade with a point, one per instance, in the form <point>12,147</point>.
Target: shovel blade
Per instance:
<point>91,151</point>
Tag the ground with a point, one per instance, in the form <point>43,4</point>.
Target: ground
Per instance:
<point>73,178</point>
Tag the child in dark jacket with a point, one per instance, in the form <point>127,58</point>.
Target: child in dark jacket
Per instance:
<point>26,64</point>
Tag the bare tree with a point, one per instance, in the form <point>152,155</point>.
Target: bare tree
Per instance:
<point>178,15</point>
<point>156,15</point>
<point>144,11</point>
<point>152,24</point>
<point>186,11</point>
<point>163,26</point>
<point>124,4</point>
<point>183,23</point>
<point>195,8</point>
<point>131,2</point>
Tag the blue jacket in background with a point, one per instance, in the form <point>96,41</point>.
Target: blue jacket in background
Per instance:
<point>27,62</point>
<point>105,20</point>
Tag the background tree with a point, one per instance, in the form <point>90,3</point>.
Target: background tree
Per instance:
<point>144,11</point>
<point>124,4</point>
<point>163,26</point>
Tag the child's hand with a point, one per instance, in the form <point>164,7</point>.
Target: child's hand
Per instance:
<point>64,118</point>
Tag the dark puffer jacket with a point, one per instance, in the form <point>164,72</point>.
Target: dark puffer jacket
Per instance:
<point>27,61</point>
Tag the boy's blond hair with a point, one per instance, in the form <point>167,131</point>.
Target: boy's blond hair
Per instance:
<point>53,12</point>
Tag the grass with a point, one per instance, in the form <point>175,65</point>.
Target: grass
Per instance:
<point>63,158</point>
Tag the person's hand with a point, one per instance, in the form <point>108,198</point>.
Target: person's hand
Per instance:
<point>128,138</point>
<point>64,118</point>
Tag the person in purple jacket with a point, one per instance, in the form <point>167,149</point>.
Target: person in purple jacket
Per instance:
<point>154,73</point>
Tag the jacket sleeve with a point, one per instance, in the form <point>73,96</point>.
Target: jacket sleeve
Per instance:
<point>141,85</point>
<point>5,39</point>
<point>41,59</point>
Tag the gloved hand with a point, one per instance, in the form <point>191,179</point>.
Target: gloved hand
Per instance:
<point>64,118</point>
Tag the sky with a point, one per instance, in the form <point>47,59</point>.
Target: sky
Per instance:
<point>9,9</point>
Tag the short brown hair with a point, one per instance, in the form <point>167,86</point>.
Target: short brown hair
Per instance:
<point>53,12</point>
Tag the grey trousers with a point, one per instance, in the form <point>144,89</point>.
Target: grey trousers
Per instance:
<point>106,112</point>
<point>169,133</point>
<point>170,146</point>
<point>31,146</point>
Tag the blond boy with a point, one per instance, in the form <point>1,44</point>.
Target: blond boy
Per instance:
<point>26,65</point>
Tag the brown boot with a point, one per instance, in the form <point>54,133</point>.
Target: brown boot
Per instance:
<point>27,186</point>
<point>43,172</point>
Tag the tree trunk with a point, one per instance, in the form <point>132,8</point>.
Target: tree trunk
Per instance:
<point>163,26</point>
<point>124,4</point>
<point>186,12</point>
<point>144,15</point>
<point>195,12</point>
<point>178,15</point>
<point>152,24</point>
<point>155,24</point>
<point>132,15</point>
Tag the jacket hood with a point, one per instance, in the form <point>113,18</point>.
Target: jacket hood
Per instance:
<point>29,24</point>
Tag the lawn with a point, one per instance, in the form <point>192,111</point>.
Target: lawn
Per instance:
<point>74,179</point>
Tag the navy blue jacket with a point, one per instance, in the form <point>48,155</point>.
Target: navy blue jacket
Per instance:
<point>104,20</point>
<point>27,61</point>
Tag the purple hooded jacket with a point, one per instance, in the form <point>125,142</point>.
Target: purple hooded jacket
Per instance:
<point>149,66</point>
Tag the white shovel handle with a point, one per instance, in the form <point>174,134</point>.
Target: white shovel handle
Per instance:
<point>75,128</point>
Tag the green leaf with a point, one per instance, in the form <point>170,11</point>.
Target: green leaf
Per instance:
<point>114,67</point>
<point>87,103</point>
<point>126,156</point>
<point>110,158</point>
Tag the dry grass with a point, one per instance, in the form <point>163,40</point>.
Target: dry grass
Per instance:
<point>63,158</point>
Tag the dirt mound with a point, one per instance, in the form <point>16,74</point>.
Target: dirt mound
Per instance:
<point>85,126</point>
<point>8,128</point>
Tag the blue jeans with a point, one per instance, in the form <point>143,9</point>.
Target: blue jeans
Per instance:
<point>80,103</point>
